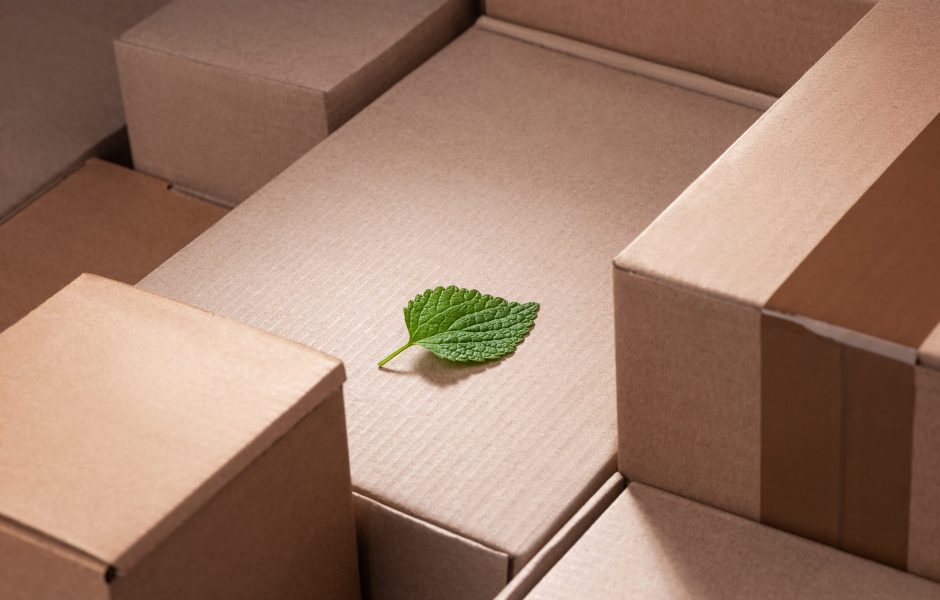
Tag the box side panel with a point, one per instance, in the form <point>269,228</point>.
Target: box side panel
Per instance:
<point>924,534</point>
<point>402,557</point>
<point>214,132</point>
<point>561,542</point>
<point>283,528</point>
<point>429,36</point>
<point>36,569</point>
<point>765,45</point>
<point>688,393</point>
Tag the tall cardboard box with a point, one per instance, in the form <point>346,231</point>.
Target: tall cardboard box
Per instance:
<point>654,545</point>
<point>151,450</point>
<point>59,96</point>
<point>222,95</point>
<point>777,327</point>
<point>103,219</point>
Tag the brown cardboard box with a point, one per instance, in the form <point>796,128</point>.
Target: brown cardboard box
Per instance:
<point>103,219</point>
<point>651,544</point>
<point>222,95</point>
<point>500,164</point>
<point>762,45</point>
<point>151,450</point>
<point>774,346</point>
<point>59,96</point>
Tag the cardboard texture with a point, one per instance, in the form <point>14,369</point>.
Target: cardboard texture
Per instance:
<point>763,45</point>
<point>103,219</point>
<point>227,479</point>
<point>59,96</point>
<point>770,322</point>
<point>498,165</point>
<point>652,544</point>
<point>221,96</point>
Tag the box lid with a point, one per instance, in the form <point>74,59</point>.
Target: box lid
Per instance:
<point>826,208</point>
<point>315,44</point>
<point>652,544</point>
<point>122,412</point>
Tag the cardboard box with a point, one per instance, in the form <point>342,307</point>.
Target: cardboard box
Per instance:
<point>503,165</point>
<point>762,45</point>
<point>151,450</point>
<point>774,346</point>
<point>103,219</point>
<point>222,95</point>
<point>652,544</point>
<point>59,96</point>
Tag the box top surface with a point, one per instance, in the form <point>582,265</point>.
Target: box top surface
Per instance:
<point>497,165</point>
<point>315,44</point>
<point>744,227</point>
<point>652,544</point>
<point>59,93</point>
<point>120,223</point>
<point>123,412</point>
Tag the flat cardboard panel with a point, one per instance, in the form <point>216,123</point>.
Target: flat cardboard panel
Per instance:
<point>929,351</point>
<point>92,425</point>
<point>103,219</point>
<point>801,449</point>
<point>36,568</point>
<point>497,165</point>
<point>402,558</point>
<point>878,271</point>
<point>222,95</point>
<point>765,45</point>
<point>282,528</point>
<point>923,553</point>
<point>688,393</point>
<point>59,97</point>
<point>652,544</point>
<point>806,162</point>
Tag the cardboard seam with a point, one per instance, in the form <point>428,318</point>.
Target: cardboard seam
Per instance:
<point>167,535</point>
<point>432,523</point>
<point>244,75</point>
<point>39,539</point>
<point>661,73</point>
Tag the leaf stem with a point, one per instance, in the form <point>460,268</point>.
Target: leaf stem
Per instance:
<point>395,353</point>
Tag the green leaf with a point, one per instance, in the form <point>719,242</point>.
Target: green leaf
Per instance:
<point>464,325</point>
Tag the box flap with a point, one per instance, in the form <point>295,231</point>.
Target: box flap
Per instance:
<point>652,544</point>
<point>315,44</point>
<point>497,165</point>
<point>123,412</point>
<point>746,224</point>
<point>764,45</point>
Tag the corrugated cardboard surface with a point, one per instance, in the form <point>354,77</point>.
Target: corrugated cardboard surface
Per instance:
<point>124,404</point>
<point>282,528</point>
<point>59,97</point>
<point>651,544</point>
<point>103,219</point>
<point>496,165</point>
<point>222,95</point>
<point>923,551</point>
<point>764,45</point>
<point>805,163</point>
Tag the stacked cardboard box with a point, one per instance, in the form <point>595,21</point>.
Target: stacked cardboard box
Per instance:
<point>151,450</point>
<point>777,327</point>
<point>223,95</point>
<point>59,96</point>
<point>103,219</point>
